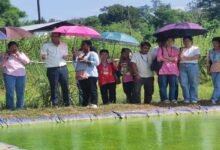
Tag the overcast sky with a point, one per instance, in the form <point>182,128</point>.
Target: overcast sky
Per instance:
<point>68,9</point>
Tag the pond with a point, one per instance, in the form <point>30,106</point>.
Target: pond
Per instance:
<point>157,133</point>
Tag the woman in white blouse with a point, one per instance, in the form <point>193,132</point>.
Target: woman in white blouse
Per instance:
<point>189,70</point>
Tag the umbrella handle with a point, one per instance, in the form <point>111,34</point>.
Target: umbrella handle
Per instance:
<point>113,51</point>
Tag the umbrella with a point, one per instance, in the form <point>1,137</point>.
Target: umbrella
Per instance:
<point>119,37</point>
<point>15,33</point>
<point>178,30</point>
<point>2,36</point>
<point>82,31</point>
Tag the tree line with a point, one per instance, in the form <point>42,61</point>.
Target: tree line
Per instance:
<point>137,21</point>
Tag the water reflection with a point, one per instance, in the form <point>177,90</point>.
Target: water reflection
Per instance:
<point>186,132</point>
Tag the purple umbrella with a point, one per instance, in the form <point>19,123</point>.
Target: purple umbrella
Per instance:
<point>178,30</point>
<point>2,36</point>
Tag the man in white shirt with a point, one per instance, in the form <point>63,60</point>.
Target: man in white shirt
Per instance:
<point>141,62</point>
<point>55,54</point>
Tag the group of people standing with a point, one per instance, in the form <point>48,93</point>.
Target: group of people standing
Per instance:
<point>134,70</point>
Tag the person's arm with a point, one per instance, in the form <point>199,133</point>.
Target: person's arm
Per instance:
<point>160,56</point>
<point>175,58</point>
<point>65,55</point>
<point>92,59</point>
<point>208,63</point>
<point>191,58</point>
<point>135,71</point>
<point>22,58</point>
<point>43,52</point>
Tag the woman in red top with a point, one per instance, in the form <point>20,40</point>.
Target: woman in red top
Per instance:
<point>106,78</point>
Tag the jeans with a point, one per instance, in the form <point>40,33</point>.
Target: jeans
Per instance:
<point>89,91</point>
<point>108,93</point>
<point>148,90</point>
<point>17,84</point>
<point>164,81</point>
<point>55,76</point>
<point>129,91</point>
<point>189,80</point>
<point>216,84</point>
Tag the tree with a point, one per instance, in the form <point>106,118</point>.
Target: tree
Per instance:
<point>9,15</point>
<point>210,7</point>
<point>92,21</point>
<point>165,15</point>
<point>118,13</point>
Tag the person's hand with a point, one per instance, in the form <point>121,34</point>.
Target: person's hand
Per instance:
<point>6,56</point>
<point>137,78</point>
<point>169,58</point>
<point>109,60</point>
<point>44,56</point>
<point>65,57</point>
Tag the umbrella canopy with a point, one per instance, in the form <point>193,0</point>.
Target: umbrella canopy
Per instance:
<point>178,30</point>
<point>15,33</point>
<point>119,37</point>
<point>82,31</point>
<point>2,36</point>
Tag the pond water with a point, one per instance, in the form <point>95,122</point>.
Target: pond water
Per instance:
<point>189,132</point>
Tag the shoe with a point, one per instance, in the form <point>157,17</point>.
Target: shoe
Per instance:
<point>194,102</point>
<point>213,102</point>
<point>186,101</point>
<point>166,101</point>
<point>93,106</point>
<point>174,101</point>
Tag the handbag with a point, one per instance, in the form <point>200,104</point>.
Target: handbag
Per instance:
<point>156,65</point>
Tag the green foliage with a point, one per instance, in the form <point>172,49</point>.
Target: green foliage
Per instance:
<point>9,15</point>
<point>118,13</point>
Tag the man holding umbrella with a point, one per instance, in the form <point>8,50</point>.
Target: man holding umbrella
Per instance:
<point>55,54</point>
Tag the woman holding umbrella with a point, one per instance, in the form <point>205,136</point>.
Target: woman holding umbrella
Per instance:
<point>189,70</point>
<point>168,55</point>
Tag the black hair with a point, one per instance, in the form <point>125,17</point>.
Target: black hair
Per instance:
<point>12,43</point>
<point>87,42</point>
<point>58,33</point>
<point>103,51</point>
<point>216,39</point>
<point>93,49</point>
<point>123,50</point>
<point>188,37</point>
<point>145,43</point>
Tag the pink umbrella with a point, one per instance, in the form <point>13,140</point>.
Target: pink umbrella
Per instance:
<point>15,33</point>
<point>82,31</point>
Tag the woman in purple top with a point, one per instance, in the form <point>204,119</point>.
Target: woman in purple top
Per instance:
<point>14,75</point>
<point>126,71</point>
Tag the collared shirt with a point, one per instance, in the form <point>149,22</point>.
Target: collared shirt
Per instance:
<point>15,64</point>
<point>54,54</point>
<point>143,63</point>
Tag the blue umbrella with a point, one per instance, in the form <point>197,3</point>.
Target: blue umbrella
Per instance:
<point>118,37</point>
<point>2,36</point>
